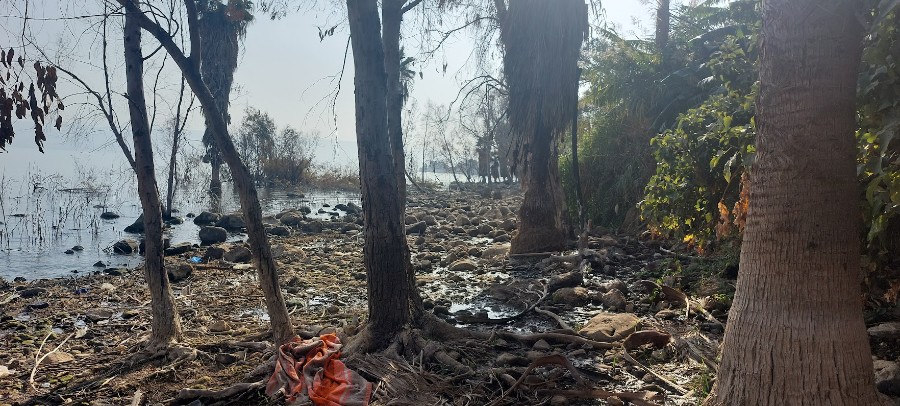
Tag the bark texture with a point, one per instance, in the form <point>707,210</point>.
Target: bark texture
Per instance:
<point>385,251</point>
<point>165,325</point>
<point>542,43</point>
<point>282,330</point>
<point>795,333</point>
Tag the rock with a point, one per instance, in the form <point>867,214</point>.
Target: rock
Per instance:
<point>37,305</point>
<point>113,271</point>
<point>179,249</point>
<point>96,315</point>
<point>462,220</point>
<point>614,300</point>
<point>501,238</point>
<point>497,195</point>
<point>577,296</point>
<point>136,227</point>
<point>59,357</point>
<point>5,372</point>
<point>77,248</point>
<point>68,252</point>
<point>227,359</point>
<point>125,247</point>
<point>292,219</point>
<point>312,227</point>
<point>31,292</point>
<point>566,280</point>
<point>417,228</point>
<point>99,264</point>
<point>462,265</point>
<point>214,253</point>
<point>557,400</point>
<point>887,377</point>
<point>219,327</point>
<point>179,273</point>
<point>507,359</point>
<point>610,326</point>
<point>410,219</point>
<point>280,231</point>
<point>614,284</point>
<point>130,314</point>
<point>508,224</point>
<point>606,241</point>
<point>239,254</point>
<point>232,221</point>
<point>886,330</point>
<point>206,218</point>
<point>495,251</point>
<point>211,235</point>
<point>107,287</point>
<point>541,345</point>
<point>108,215</point>
<point>174,221</point>
<point>615,401</point>
<point>430,220</point>
<point>667,314</point>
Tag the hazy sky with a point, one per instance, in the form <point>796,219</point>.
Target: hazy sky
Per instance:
<point>284,70</point>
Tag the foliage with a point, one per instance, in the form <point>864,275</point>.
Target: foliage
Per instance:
<point>879,146</point>
<point>273,156</point>
<point>39,100</point>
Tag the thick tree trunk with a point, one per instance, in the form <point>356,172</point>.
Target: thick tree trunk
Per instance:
<point>795,333</point>
<point>663,17</point>
<point>385,241</point>
<point>165,325</point>
<point>392,17</point>
<point>542,219</point>
<point>282,330</point>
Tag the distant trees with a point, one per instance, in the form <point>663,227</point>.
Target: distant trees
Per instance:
<point>276,156</point>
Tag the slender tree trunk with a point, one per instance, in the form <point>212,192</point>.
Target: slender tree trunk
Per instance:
<point>215,179</point>
<point>796,334</point>
<point>663,17</point>
<point>385,241</point>
<point>165,325</point>
<point>177,128</point>
<point>392,17</point>
<point>282,330</point>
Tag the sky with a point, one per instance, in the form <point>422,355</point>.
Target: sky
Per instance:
<point>284,70</point>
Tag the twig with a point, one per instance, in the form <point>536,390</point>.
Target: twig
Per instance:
<point>138,398</point>
<point>38,361</point>
<point>562,324</point>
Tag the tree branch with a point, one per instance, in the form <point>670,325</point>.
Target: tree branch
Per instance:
<point>410,6</point>
<point>193,30</point>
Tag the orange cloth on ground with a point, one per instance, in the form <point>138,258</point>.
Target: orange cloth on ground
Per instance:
<point>310,369</point>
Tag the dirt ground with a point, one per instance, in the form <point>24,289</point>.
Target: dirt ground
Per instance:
<point>69,341</point>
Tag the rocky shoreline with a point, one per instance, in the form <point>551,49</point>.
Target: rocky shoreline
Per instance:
<point>620,289</point>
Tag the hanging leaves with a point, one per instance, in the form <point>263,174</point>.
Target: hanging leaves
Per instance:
<point>41,97</point>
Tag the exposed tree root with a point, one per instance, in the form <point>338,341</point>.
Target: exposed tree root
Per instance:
<point>229,393</point>
<point>556,338</point>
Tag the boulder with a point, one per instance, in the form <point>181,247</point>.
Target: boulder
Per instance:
<point>125,247</point>
<point>613,284</point>
<point>610,326</point>
<point>108,215</point>
<point>410,219</point>
<point>462,220</point>
<point>889,330</point>
<point>887,377</point>
<point>614,300</point>
<point>417,228</point>
<point>233,221</point>
<point>179,273</point>
<point>577,296</point>
<point>137,227</point>
<point>280,231</point>
<point>565,280</point>
<point>463,265</point>
<point>179,249</point>
<point>312,227</point>
<point>239,254</point>
<point>214,253</point>
<point>495,251</point>
<point>59,357</point>
<point>207,218</point>
<point>292,218</point>
<point>430,220</point>
<point>212,235</point>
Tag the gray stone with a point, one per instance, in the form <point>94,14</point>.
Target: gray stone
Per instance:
<point>889,330</point>
<point>206,218</point>
<point>239,254</point>
<point>136,227</point>
<point>179,249</point>
<point>212,235</point>
<point>463,265</point>
<point>410,219</point>
<point>430,220</point>
<point>179,273</point>
<point>214,253</point>
<point>417,228</point>
<point>312,227</point>
<point>108,215</point>
<point>280,231</point>
<point>495,251</point>
<point>577,296</point>
<point>125,247</point>
<point>887,377</point>
<point>614,300</point>
<point>233,221</point>
<point>96,315</point>
<point>292,218</point>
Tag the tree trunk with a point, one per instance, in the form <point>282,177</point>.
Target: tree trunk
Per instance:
<point>282,330</point>
<point>385,249</point>
<point>165,325</point>
<point>392,17</point>
<point>177,128</point>
<point>796,334</point>
<point>663,17</point>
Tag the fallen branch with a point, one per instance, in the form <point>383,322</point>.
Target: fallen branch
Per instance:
<point>38,361</point>
<point>554,359</point>
<point>556,337</point>
<point>562,324</point>
<point>663,379</point>
<point>227,393</point>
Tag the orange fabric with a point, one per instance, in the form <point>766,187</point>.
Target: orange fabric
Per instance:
<point>310,370</point>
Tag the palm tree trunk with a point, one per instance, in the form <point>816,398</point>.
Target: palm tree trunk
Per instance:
<point>796,333</point>
<point>165,324</point>
<point>385,240</point>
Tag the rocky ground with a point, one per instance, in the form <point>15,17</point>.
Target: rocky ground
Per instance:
<point>626,320</point>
